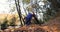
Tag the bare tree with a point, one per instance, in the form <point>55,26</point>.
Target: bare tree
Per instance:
<point>18,10</point>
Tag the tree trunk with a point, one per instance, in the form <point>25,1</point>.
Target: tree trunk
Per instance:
<point>18,10</point>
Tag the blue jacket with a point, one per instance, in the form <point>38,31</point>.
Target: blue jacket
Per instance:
<point>28,19</point>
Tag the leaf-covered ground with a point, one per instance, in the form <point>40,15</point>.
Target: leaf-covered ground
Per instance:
<point>53,25</point>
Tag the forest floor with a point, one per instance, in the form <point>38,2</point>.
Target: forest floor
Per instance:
<point>52,26</point>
